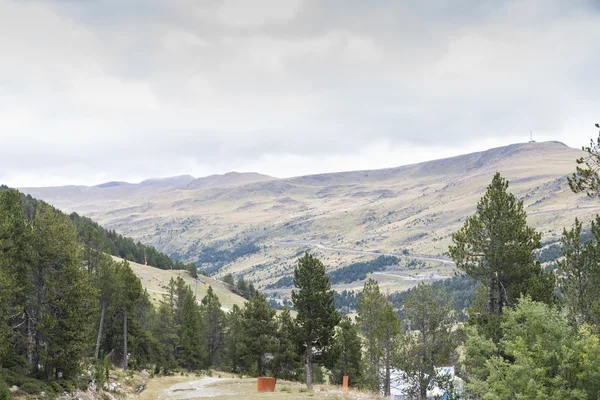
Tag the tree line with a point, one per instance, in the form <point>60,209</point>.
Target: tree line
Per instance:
<point>107,240</point>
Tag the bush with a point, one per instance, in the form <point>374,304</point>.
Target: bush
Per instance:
<point>33,386</point>
<point>4,392</point>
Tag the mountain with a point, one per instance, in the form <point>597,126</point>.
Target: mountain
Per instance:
<point>229,179</point>
<point>256,226</point>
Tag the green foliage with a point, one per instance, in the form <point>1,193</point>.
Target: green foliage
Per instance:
<point>286,361</point>
<point>212,321</point>
<point>461,289</point>
<point>496,247</point>
<point>4,391</point>
<point>580,268</point>
<point>259,331</point>
<point>586,179</point>
<point>346,301</point>
<point>235,340</point>
<point>370,311</point>
<point>541,356</point>
<point>359,271</point>
<point>430,341</point>
<point>190,351</point>
<point>344,357</point>
<point>213,259</point>
<point>317,314</point>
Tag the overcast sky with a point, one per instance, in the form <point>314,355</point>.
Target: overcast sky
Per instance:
<point>100,90</point>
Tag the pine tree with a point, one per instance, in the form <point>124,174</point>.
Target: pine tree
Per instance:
<point>317,315</point>
<point>64,292</point>
<point>213,323</point>
<point>130,290</point>
<point>191,352</point>
<point>581,270</point>
<point>235,339</point>
<point>286,361</point>
<point>388,330</point>
<point>345,358</point>
<point>586,178</point>
<point>370,311</point>
<point>165,333</point>
<point>430,343</point>
<point>16,288</point>
<point>496,247</point>
<point>259,329</point>
<point>104,279</point>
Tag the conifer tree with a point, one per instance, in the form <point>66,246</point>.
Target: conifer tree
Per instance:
<point>191,351</point>
<point>130,290</point>
<point>165,333</point>
<point>213,324</point>
<point>496,247</point>
<point>388,330</point>
<point>259,328</point>
<point>64,292</point>
<point>370,312</point>
<point>345,358</point>
<point>430,343</point>
<point>581,269</point>
<point>317,315</point>
<point>235,339</point>
<point>286,361</point>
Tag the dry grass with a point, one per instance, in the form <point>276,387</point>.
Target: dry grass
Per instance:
<point>415,208</point>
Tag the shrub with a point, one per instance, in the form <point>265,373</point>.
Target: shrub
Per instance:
<point>33,386</point>
<point>4,392</point>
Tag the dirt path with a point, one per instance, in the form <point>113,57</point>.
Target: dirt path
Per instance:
<point>196,389</point>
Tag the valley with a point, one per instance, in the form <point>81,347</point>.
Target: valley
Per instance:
<point>255,226</point>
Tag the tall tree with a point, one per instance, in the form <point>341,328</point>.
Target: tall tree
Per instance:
<point>317,315</point>
<point>496,247</point>
<point>581,270</point>
<point>130,290</point>
<point>64,292</point>
<point>370,311</point>
<point>345,359</point>
<point>586,179</point>
<point>16,264</point>
<point>213,324</point>
<point>430,342</point>
<point>259,326</point>
<point>287,359</point>
<point>104,279</point>
<point>235,339</point>
<point>388,331</point>
<point>191,351</point>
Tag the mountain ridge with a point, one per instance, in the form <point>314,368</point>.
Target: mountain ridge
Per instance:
<point>256,227</point>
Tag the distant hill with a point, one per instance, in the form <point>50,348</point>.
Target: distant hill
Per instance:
<point>229,179</point>
<point>256,226</point>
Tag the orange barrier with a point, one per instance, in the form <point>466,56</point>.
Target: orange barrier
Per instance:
<point>345,387</point>
<point>266,384</point>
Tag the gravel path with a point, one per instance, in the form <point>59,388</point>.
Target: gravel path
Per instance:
<point>195,389</point>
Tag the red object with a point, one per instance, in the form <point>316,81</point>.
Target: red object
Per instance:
<point>266,384</point>
<point>345,387</point>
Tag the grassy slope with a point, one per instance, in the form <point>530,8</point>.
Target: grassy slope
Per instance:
<point>156,281</point>
<point>414,207</point>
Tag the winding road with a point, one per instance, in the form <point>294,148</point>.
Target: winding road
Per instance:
<point>370,252</point>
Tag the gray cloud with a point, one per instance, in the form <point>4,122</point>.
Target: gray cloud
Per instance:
<point>94,90</point>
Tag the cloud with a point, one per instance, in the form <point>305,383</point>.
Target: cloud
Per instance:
<point>118,90</point>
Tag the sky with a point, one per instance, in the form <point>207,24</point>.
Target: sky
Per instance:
<point>101,90</point>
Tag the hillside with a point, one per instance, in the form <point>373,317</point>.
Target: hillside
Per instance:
<point>156,281</point>
<point>257,228</point>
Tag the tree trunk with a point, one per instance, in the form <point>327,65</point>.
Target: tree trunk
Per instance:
<point>125,340</point>
<point>259,371</point>
<point>309,367</point>
<point>29,340</point>
<point>386,384</point>
<point>97,353</point>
